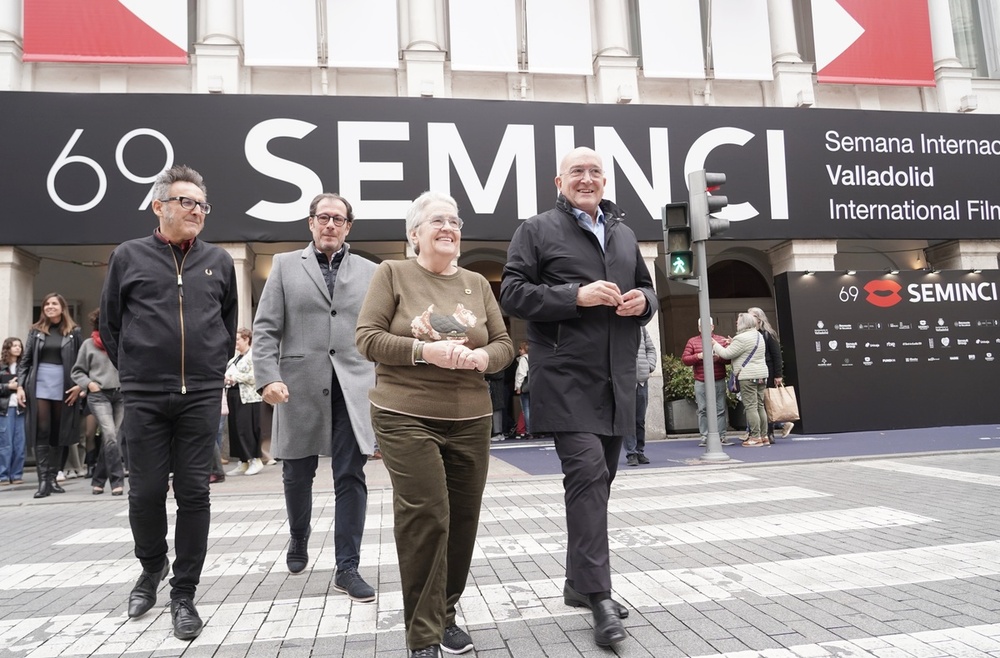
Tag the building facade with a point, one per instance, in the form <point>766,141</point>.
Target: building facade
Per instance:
<point>485,94</point>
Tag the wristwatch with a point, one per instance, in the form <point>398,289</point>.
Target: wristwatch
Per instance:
<point>418,353</point>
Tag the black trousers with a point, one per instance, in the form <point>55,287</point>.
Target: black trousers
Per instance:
<point>171,432</point>
<point>350,489</point>
<point>244,426</point>
<point>589,464</point>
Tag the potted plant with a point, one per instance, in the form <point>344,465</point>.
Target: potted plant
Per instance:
<point>679,409</point>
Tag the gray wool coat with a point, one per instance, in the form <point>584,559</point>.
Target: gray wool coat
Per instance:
<point>301,337</point>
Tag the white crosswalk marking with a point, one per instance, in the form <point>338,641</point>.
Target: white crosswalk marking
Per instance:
<point>971,641</point>
<point>543,598</point>
<point>488,547</point>
<point>933,472</point>
<point>491,514</point>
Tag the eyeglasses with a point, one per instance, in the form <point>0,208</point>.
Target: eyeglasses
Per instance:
<point>438,223</point>
<point>580,172</point>
<point>324,219</point>
<point>189,204</point>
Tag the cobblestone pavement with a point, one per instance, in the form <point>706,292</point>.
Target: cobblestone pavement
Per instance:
<point>883,557</point>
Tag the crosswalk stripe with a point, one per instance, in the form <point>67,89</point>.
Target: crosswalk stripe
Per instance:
<point>89,573</point>
<point>543,487</point>
<point>496,603</point>
<point>968,641</point>
<point>934,472</point>
<point>489,514</point>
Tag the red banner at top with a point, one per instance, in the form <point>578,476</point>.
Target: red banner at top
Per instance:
<point>105,31</point>
<point>863,42</point>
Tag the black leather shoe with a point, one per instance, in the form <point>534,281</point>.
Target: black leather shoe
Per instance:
<point>574,599</point>
<point>298,553</point>
<point>55,486</point>
<point>608,627</point>
<point>143,595</point>
<point>187,623</point>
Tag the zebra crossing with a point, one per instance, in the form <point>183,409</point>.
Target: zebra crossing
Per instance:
<point>871,558</point>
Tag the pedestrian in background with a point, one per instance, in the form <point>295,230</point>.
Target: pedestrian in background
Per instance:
<point>645,363</point>
<point>46,389</point>
<point>522,387</point>
<point>693,356</point>
<point>746,351</point>
<point>12,444</point>
<point>243,401</point>
<point>775,365</point>
<point>93,372</point>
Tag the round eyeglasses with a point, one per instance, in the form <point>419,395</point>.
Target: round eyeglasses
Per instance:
<point>324,219</point>
<point>439,222</point>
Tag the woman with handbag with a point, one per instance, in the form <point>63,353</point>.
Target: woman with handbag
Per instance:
<point>772,356</point>
<point>746,351</point>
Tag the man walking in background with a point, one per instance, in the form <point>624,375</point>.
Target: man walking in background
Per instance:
<point>645,363</point>
<point>693,356</point>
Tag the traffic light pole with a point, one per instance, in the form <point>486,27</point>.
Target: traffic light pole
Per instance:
<point>713,445</point>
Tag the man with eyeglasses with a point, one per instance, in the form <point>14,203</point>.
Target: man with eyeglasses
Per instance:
<point>576,275</point>
<point>307,365</point>
<point>168,322</point>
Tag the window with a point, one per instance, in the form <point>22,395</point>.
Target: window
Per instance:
<point>975,28</point>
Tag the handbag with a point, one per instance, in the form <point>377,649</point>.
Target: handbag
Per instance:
<point>733,383</point>
<point>780,404</point>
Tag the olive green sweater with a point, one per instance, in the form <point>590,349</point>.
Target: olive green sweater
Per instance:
<point>406,303</point>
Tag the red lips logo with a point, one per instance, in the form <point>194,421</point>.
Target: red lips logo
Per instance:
<point>883,293</point>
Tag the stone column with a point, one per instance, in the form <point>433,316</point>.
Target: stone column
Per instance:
<point>423,55</point>
<point>218,53</point>
<point>965,255</point>
<point>615,69</point>
<point>804,256</point>
<point>793,86</point>
<point>655,422</point>
<point>954,82</point>
<point>244,259</point>
<point>11,49</point>
<point>18,269</point>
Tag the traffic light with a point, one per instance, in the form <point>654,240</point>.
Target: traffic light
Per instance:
<point>704,204</point>
<point>677,239</point>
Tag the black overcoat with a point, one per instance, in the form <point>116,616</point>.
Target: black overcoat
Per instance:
<point>27,376</point>
<point>583,373</point>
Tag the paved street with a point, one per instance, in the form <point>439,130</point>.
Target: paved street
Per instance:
<point>877,556</point>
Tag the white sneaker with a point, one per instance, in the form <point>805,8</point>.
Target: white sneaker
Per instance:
<point>255,467</point>
<point>60,477</point>
<point>71,475</point>
<point>786,429</point>
<point>240,469</point>
<point>271,462</point>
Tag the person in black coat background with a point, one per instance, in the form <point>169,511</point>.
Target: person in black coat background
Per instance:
<point>46,388</point>
<point>775,365</point>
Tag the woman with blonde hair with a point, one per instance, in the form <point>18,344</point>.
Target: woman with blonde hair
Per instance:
<point>46,388</point>
<point>772,356</point>
<point>746,351</point>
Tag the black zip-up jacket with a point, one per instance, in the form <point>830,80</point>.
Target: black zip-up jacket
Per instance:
<point>583,373</point>
<point>168,317</point>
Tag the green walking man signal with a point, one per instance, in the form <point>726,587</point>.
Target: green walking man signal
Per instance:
<point>677,239</point>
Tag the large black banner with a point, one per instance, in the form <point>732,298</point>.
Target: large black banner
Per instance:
<point>881,351</point>
<point>78,166</point>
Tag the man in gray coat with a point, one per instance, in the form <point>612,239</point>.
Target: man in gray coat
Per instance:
<point>307,365</point>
